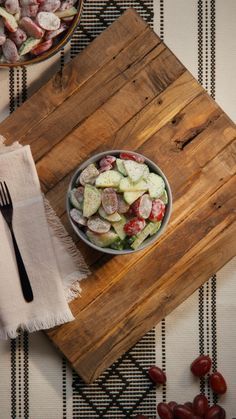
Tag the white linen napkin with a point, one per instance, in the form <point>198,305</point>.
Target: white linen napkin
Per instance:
<point>53,263</point>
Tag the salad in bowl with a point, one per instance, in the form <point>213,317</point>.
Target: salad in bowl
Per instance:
<point>119,202</point>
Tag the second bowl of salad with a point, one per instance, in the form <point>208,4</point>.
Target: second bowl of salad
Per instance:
<point>119,202</point>
<point>34,30</point>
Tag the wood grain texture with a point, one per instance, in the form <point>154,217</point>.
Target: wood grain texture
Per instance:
<point>128,90</point>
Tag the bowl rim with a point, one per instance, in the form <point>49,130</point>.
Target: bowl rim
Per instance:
<point>149,241</point>
<point>55,49</point>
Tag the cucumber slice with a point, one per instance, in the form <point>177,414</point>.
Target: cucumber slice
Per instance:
<point>74,201</point>
<point>119,227</point>
<point>28,45</point>
<point>103,239</point>
<point>10,20</point>
<point>92,200</point>
<point>120,166</point>
<point>130,197</point>
<point>109,179</point>
<point>146,172</point>
<point>155,230</point>
<point>135,170</point>
<point>118,245</point>
<point>112,217</point>
<point>66,13</point>
<point>126,185</point>
<point>148,230</point>
<point>164,197</point>
<point>156,185</point>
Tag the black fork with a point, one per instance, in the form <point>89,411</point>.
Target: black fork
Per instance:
<point>6,208</point>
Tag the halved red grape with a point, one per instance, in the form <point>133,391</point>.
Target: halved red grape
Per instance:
<point>134,226</point>
<point>98,225</point>
<point>109,200</point>
<point>158,210</point>
<point>131,156</point>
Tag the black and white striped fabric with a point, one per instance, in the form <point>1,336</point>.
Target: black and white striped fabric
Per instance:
<point>36,383</point>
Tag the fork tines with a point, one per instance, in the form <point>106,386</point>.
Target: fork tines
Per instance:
<point>5,197</point>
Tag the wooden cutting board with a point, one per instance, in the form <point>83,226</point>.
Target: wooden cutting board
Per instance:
<point>128,90</point>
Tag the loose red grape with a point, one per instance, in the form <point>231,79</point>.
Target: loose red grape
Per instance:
<point>223,413</point>
<point>172,405</point>
<point>157,375</point>
<point>201,365</point>
<point>218,383</point>
<point>164,411</point>
<point>182,412</point>
<point>189,406</point>
<point>215,412</point>
<point>200,405</point>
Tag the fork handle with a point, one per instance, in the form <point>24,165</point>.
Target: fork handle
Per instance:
<point>24,280</point>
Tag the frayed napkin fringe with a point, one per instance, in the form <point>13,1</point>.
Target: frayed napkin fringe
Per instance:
<point>72,287</point>
<point>35,325</point>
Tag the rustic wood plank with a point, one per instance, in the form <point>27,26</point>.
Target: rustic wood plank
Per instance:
<point>131,92</point>
<point>114,75</point>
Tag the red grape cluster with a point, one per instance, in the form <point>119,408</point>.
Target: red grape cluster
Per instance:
<point>199,408</point>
